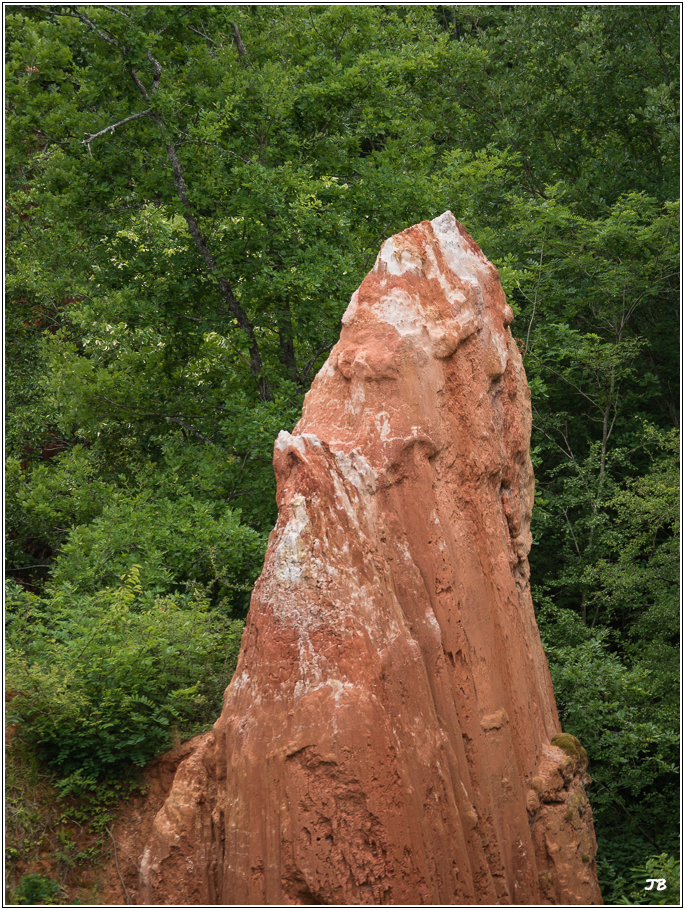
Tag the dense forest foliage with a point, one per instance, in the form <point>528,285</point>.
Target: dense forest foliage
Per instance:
<point>193,193</point>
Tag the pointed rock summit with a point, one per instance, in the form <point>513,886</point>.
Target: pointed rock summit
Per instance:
<point>390,735</point>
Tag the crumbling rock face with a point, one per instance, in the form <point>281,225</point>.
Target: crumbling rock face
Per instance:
<point>387,737</point>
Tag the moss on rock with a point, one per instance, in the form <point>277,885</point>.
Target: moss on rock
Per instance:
<point>572,747</point>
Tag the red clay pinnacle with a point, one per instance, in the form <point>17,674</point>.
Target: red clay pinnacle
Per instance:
<point>387,736</point>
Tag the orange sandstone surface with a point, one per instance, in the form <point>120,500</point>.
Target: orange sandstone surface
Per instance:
<point>387,736</point>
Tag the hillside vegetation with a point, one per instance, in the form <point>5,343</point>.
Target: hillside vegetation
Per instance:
<point>193,194</point>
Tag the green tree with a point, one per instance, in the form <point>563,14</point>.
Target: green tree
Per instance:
<point>100,682</point>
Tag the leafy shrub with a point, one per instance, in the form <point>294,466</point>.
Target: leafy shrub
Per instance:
<point>96,514</point>
<point>617,688</point>
<point>631,741</point>
<point>633,889</point>
<point>102,681</point>
<point>36,889</point>
<point>171,541</point>
<point>46,499</point>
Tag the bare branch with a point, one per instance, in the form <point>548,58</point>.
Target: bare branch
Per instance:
<point>226,292</point>
<point>239,43</point>
<point>157,415</point>
<point>158,72</point>
<point>140,86</point>
<point>110,129</point>
<point>570,527</point>
<point>121,12</point>
<point>537,288</point>
<point>155,79</point>
<point>116,861</point>
<point>51,11</point>
<point>566,451</point>
<point>572,384</point>
<point>202,34</point>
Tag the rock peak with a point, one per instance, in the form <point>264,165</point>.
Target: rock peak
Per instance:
<point>387,737</point>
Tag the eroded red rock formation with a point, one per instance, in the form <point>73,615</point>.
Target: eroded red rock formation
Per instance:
<point>387,736</point>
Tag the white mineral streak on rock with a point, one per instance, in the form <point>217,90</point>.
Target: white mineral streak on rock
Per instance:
<point>311,674</point>
<point>398,308</point>
<point>357,471</point>
<point>397,259</point>
<point>351,310</point>
<point>404,311</point>
<point>472,267</point>
<point>460,257</point>
<point>502,347</point>
<point>286,443</point>
<point>291,550</point>
<point>145,863</point>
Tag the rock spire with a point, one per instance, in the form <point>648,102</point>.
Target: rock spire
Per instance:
<point>390,735</point>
